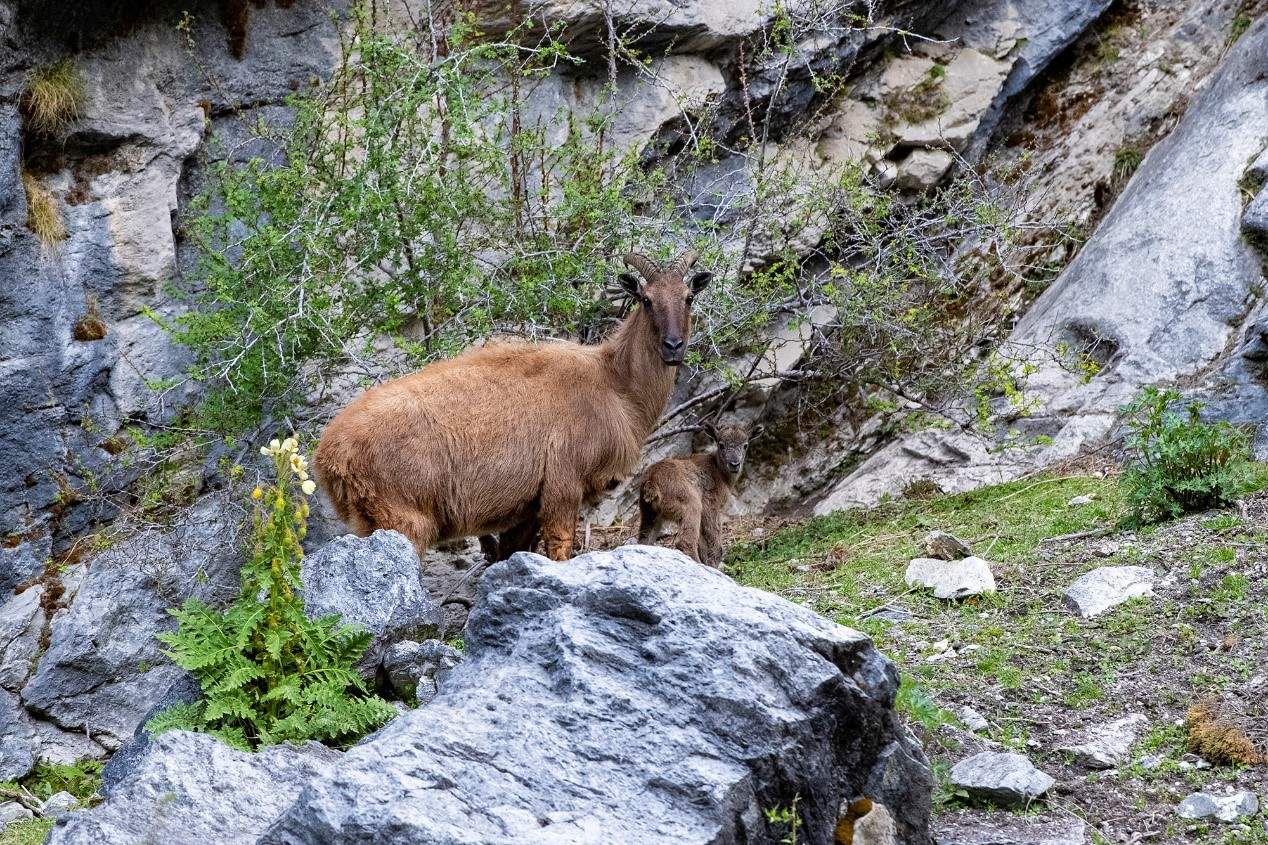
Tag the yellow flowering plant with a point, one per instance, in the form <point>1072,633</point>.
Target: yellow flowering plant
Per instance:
<point>270,674</point>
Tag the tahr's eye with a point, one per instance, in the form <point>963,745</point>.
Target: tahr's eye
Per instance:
<point>647,301</point>
<point>690,298</point>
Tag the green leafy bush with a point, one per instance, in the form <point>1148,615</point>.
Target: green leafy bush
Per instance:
<point>429,195</point>
<point>1179,464</point>
<point>269,674</point>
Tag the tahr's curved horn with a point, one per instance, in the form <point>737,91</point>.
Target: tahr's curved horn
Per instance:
<point>684,262</point>
<point>644,265</point>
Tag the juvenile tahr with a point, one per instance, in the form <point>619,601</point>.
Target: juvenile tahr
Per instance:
<point>694,492</point>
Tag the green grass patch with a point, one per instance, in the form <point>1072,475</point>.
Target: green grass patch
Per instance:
<point>28,832</point>
<point>851,562</point>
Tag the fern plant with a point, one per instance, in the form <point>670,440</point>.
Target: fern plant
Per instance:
<point>1179,464</point>
<point>268,673</point>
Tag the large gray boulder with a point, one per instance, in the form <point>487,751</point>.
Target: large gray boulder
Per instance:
<point>372,582</point>
<point>633,697</point>
<point>104,669</point>
<point>190,789</point>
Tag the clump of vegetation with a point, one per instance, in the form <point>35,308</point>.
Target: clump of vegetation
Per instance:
<point>920,488</point>
<point>1241,22</point>
<point>269,674</point>
<point>1217,735</point>
<point>53,98</point>
<point>42,216</point>
<point>1126,159</point>
<point>1179,464</point>
<point>90,327</point>
<point>923,101</point>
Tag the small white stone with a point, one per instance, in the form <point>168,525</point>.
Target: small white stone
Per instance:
<point>59,805</point>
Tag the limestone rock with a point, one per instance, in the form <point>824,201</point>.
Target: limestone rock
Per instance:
<point>372,582</point>
<point>24,560</point>
<point>923,169</point>
<point>190,789</point>
<point>1255,218</point>
<point>1225,808</point>
<point>1201,268</point>
<point>1101,589</point>
<point>12,811</point>
<point>971,82</point>
<point>17,739</point>
<point>577,713</point>
<point>59,804</point>
<point>21,622</point>
<point>147,356</point>
<point>412,668</point>
<point>944,546</point>
<point>104,668</point>
<point>1106,746</point>
<point>951,579</point>
<point>1008,780</point>
<point>976,828</point>
<point>1203,275</point>
<point>692,25</point>
<point>973,720</point>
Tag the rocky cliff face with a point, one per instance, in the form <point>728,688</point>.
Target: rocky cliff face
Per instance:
<point>1167,288</point>
<point>117,176</point>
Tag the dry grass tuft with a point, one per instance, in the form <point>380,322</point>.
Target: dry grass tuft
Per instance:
<point>42,215</point>
<point>90,327</point>
<point>53,98</point>
<point>1217,734</point>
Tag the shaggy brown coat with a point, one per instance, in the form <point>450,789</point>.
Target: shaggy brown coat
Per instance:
<point>511,437</point>
<point>694,492</point>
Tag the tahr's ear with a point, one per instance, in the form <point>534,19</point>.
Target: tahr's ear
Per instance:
<point>708,429</point>
<point>756,432</point>
<point>630,285</point>
<point>700,281</point>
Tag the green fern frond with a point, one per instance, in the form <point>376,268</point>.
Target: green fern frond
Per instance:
<point>178,717</point>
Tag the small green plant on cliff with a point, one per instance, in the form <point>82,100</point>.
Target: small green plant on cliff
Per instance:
<point>1179,464</point>
<point>270,674</point>
<point>53,98</point>
<point>787,818</point>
